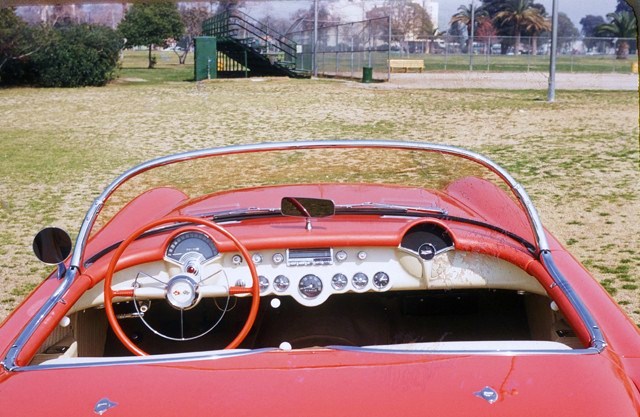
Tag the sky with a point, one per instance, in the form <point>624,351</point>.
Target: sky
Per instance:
<point>575,9</point>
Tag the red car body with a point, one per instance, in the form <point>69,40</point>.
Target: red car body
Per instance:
<point>596,374</point>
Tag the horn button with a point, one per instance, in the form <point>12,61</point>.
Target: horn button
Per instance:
<point>182,292</point>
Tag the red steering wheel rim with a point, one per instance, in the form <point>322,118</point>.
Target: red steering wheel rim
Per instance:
<point>110,294</point>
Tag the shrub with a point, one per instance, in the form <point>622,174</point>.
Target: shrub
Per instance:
<point>69,55</point>
<point>77,55</point>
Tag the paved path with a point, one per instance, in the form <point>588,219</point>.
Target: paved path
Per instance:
<point>514,81</point>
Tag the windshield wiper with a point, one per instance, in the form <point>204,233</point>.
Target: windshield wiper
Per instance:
<point>243,213</point>
<point>373,207</point>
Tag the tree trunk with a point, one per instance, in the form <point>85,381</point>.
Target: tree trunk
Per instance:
<point>623,50</point>
<point>516,47</point>
<point>151,63</point>
<point>534,45</point>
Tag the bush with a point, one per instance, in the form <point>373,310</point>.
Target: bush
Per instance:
<point>69,55</point>
<point>77,55</point>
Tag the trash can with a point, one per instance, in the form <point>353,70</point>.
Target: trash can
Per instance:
<point>367,74</point>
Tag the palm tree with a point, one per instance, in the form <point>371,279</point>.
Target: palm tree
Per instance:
<point>463,17</point>
<point>535,27</point>
<point>521,15</point>
<point>621,25</point>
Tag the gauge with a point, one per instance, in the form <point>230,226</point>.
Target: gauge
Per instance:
<point>339,281</point>
<point>277,258</point>
<point>427,251</point>
<point>341,256</point>
<point>281,283</point>
<point>360,280</point>
<point>264,283</point>
<point>380,280</point>
<point>191,242</point>
<point>310,286</point>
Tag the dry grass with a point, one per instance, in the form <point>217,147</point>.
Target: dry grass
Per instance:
<point>578,157</point>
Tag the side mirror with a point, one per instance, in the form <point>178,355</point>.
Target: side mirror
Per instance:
<point>52,245</point>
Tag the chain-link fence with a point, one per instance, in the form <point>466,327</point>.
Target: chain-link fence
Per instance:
<point>493,53</point>
<point>343,50</point>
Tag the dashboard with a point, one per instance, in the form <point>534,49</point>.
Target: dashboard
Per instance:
<point>312,275</point>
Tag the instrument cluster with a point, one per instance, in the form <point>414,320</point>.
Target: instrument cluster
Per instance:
<point>311,275</point>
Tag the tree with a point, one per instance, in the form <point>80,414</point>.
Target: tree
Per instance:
<point>228,5</point>
<point>408,20</point>
<point>567,31</point>
<point>623,6</point>
<point>522,15</point>
<point>18,42</point>
<point>621,25</point>
<point>192,18</point>
<point>463,18</point>
<point>589,24</point>
<point>486,33</point>
<point>151,24</point>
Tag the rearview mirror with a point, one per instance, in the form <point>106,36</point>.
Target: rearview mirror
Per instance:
<point>52,245</point>
<point>307,207</point>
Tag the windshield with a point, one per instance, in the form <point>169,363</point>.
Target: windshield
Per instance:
<point>452,185</point>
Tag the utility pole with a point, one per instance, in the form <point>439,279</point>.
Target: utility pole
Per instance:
<point>551,93</point>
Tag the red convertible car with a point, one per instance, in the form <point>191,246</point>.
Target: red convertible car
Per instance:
<point>327,278</point>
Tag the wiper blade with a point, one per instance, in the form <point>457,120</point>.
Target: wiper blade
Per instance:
<point>243,213</point>
<point>373,206</point>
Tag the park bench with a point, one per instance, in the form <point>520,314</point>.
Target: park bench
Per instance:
<point>406,64</point>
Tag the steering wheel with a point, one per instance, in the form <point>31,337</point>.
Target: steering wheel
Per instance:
<point>181,291</point>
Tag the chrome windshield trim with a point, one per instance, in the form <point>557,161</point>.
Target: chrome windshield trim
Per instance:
<point>10,361</point>
<point>597,339</point>
<point>516,188</point>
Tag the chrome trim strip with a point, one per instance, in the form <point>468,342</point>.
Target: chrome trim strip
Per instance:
<point>9,362</point>
<point>597,340</point>
<point>147,360</point>
<point>513,352</point>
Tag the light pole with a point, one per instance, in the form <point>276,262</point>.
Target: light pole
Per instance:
<point>551,93</point>
<point>473,23</point>
<point>315,38</point>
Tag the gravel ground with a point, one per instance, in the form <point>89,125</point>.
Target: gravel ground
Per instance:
<point>514,81</point>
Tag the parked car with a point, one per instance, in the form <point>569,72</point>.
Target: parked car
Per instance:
<point>316,278</point>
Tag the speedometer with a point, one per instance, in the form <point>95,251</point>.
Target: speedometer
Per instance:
<point>191,243</point>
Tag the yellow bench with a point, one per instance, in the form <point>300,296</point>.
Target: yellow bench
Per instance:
<point>406,64</point>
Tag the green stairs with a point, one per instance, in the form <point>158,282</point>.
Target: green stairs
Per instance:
<point>249,48</point>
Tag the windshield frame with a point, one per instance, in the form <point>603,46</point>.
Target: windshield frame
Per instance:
<point>533,218</point>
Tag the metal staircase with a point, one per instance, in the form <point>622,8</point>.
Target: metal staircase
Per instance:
<point>247,47</point>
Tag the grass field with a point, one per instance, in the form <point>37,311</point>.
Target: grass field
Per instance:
<point>578,157</point>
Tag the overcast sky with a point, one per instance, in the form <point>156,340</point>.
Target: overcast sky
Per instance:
<point>575,9</point>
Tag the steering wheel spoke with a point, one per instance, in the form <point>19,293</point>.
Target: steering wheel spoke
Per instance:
<point>127,293</point>
<point>240,290</point>
<point>150,293</point>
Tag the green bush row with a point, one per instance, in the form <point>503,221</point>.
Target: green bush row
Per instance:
<point>66,55</point>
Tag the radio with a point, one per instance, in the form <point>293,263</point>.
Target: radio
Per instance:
<point>313,256</point>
